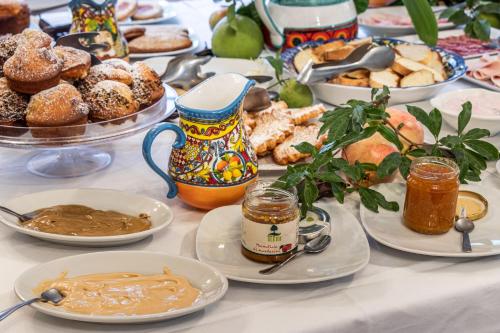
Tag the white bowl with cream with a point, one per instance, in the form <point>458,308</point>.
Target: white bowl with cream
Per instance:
<point>211,284</point>
<point>485,108</point>
<point>159,213</point>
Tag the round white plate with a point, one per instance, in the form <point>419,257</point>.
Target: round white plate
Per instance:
<point>195,43</point>
<point>212,284</point>
<point>168,13</point>
<point>392,30</point>
<point>387,227</point>
<point>161,215</point>
<point>218,244</point>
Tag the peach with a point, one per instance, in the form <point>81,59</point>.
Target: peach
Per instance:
<point>412,129</point>
<point>221,165</point>
<point>371,150</point>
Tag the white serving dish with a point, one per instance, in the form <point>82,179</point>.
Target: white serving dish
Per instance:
<point>392,30</point>
<point>212,284</point>
<point>168,13</point>
<point>387,227</point>
<point>128,203</point>
<point>450,112</point>
<point>218,244</point>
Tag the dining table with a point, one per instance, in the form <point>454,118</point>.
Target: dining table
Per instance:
<point>395,292</point>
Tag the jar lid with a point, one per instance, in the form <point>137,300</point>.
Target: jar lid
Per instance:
<point>316,223</point>
<point>475,204</point>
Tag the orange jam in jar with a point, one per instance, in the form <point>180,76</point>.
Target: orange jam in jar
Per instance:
<point>431,195</point>
<point>270,224</point>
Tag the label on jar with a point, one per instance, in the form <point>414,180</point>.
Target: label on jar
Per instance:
<point>269,239</point>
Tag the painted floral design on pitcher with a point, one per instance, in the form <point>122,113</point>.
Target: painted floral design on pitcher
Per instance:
<point>215,154</point>
<point>212,160</point>
<point>99,15</point>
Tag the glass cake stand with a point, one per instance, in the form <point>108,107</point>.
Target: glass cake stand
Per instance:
<point>69,151</point>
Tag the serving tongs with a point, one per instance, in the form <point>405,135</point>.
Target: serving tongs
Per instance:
<point>75,41</point>
<point>372,58</point>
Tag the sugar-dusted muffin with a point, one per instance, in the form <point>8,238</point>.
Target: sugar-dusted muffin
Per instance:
<point>8,45</point>
<point>146,86</point>
<point>103,72</point>
<point>14,16</point>
<point>76,63</point>
<point>109,100</point>
<point>34,66</point>
<point>60,108</point>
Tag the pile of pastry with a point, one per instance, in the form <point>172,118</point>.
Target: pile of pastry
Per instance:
<point>414,65</point>
<point>45,86</point>
<point>152,39</point>
<point>277,129</point>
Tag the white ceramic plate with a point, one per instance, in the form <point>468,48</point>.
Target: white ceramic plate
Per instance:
<point>484,84</point>
<point>392,30</point>
<point>128,203</point>
<point>218,244</point>
<point>44,5</point>
<point>387,227</point>
<point>212,284</point>
<point>195,43</point>
<point>168,13</point>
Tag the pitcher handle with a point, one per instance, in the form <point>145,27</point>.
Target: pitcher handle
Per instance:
<point>180,141</point>
<point>277,36</point>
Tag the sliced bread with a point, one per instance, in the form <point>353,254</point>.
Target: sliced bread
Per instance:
<point>405,66</point>
<point>418,53</point>
<point>384,78</point>
<point>419,78</point>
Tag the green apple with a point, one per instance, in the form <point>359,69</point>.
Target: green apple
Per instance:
<point>295,94</point>
<point>242,38</point>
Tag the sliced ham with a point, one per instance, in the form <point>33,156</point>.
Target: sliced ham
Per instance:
<point>487,69</point>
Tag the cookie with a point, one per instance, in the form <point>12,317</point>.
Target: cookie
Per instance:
<point>160,39</point>
<point>270,130</point>
<point>285,153</point>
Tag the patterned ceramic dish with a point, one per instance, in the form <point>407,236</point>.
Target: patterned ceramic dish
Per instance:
<point>338,94</point>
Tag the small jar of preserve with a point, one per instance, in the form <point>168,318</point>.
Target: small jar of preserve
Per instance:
<point>270,225</point>
<point>431,195</point>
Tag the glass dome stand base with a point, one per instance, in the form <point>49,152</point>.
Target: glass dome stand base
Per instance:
<point>68,162</point>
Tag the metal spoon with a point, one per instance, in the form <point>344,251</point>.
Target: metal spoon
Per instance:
<point>376,59</point>
<point>22,217</point>
<point>465,226</point>
<point>316,245</point>
<point>52,295</point>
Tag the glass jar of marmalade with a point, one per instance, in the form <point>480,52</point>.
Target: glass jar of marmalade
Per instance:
<point>270,225</point>
<point>431,195</point>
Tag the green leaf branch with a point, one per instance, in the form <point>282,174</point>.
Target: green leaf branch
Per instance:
<point>328,175</point>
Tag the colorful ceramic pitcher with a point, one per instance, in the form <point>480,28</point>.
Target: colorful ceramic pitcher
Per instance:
<point>99,15</point>
<point>293,22</point>
<point>212,160</point>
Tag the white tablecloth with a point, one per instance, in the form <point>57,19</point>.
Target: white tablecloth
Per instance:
<point>396,292</point>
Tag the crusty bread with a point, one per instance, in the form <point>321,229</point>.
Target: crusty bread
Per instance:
<point>360,42</point>
<point>419,78</point>
<point>358,74</point>
<point>338,54</point>
<point>384,78</point>
<point>331,46</point>
<point>405,66</point>
<point>418,53</point>
<point>345,80</point>
<point>436,63</point>
<point>303,57</point>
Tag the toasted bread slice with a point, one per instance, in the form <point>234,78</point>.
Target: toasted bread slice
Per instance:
<point>358,74</point>
<point>320,50</point>
<point>285,153</point>
<point>303,57</point>
<point>436,63</point>
<point>418,53</point>
<point>360,42</point>
<point>422,77</point>
<point>384,78</point>
<point>347,81</point>
<point>405,66</point>
<point>339,54</point>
